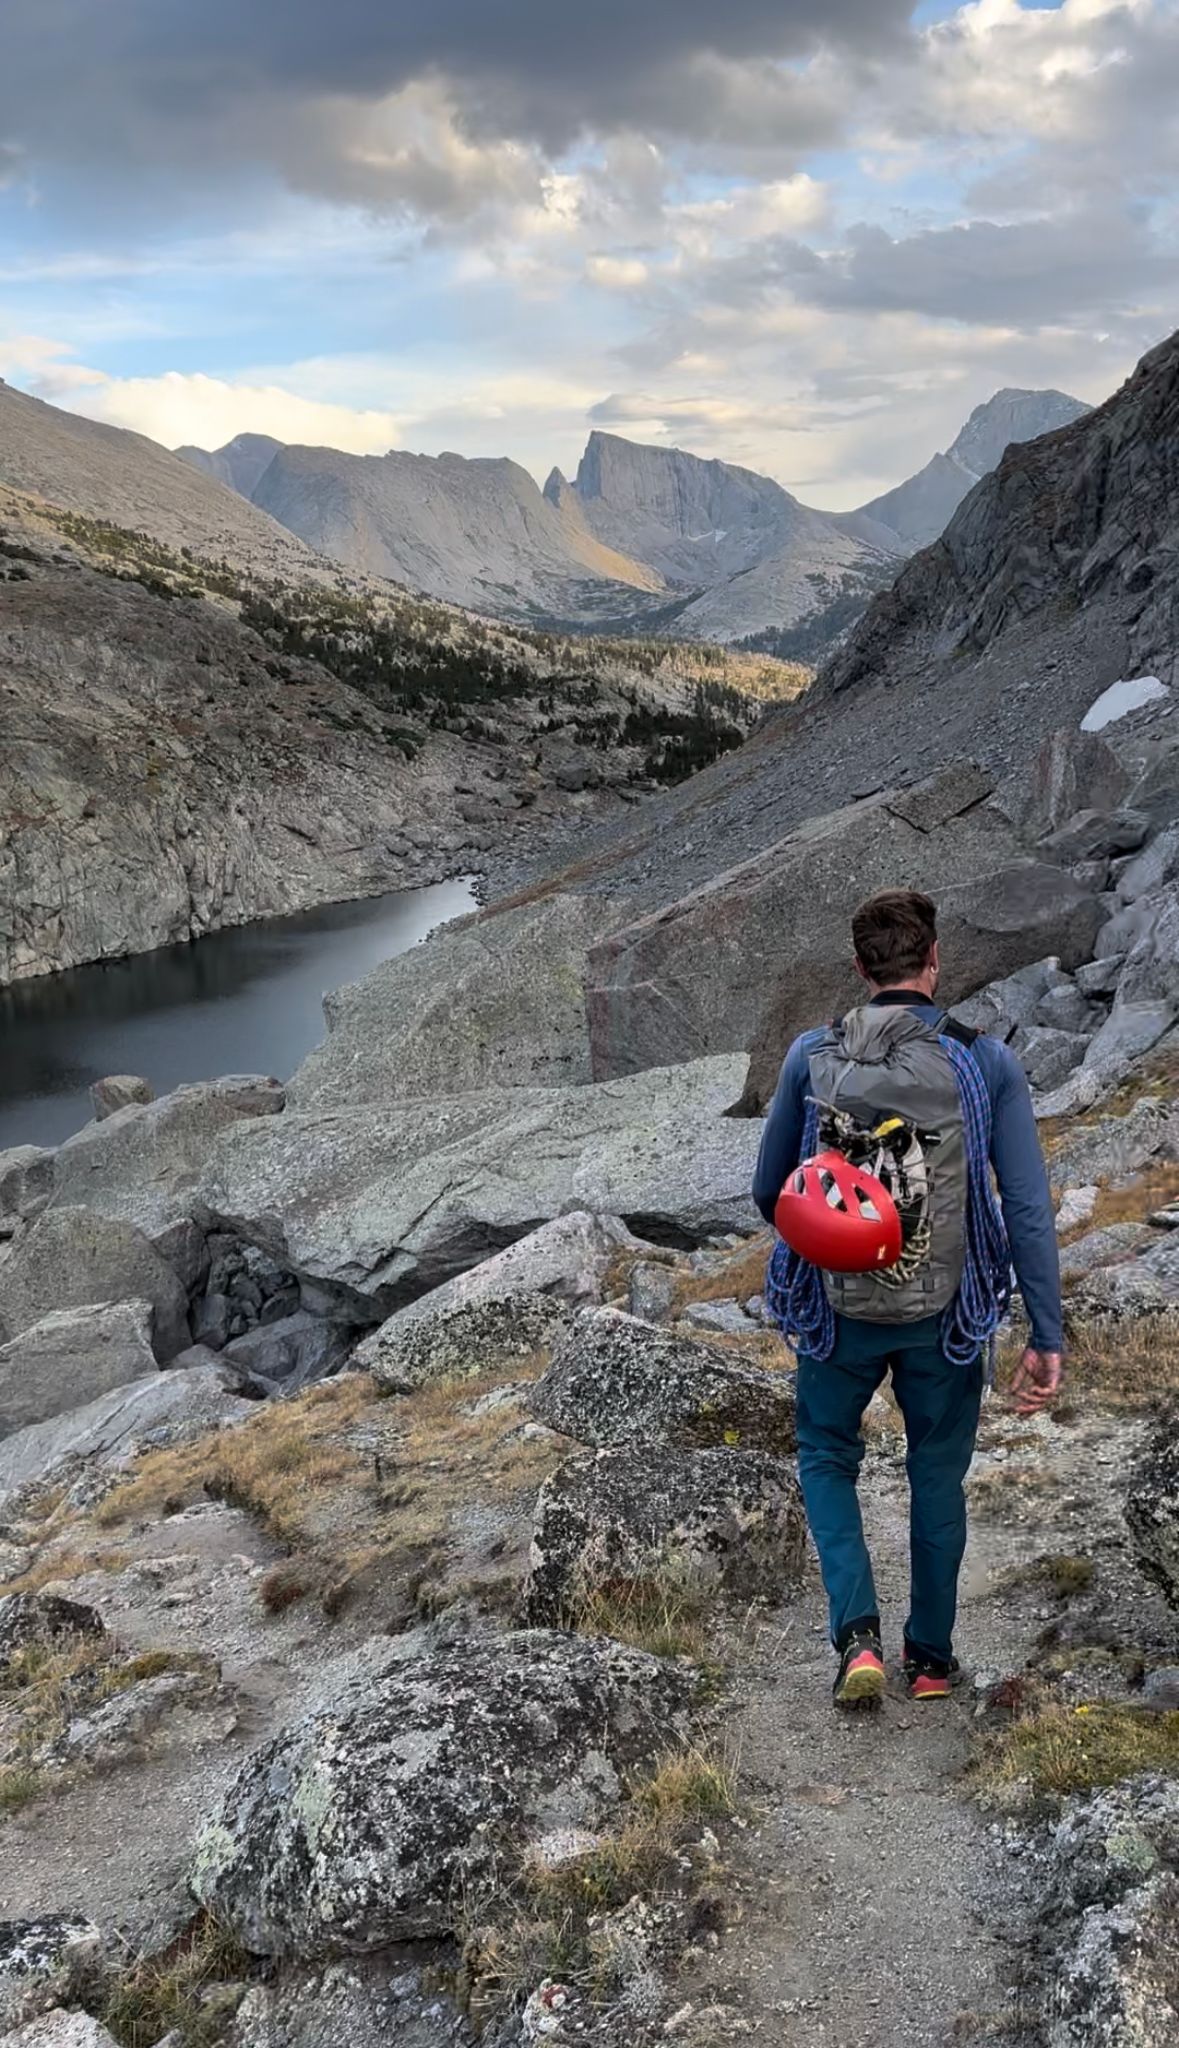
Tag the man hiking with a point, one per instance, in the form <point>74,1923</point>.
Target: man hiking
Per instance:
<point>876,1169</point>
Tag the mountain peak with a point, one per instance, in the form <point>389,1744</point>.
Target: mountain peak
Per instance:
<point>1011,415</point>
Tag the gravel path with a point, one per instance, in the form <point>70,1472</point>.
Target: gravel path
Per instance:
<point>869,1889</point>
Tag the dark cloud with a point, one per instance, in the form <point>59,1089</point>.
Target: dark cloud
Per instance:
<point>1092,259</point>
<point>1018,274</point>
<point>120,80</point>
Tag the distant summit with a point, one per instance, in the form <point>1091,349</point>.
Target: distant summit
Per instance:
<point>1038,542</point>
<point>916,512</point>
<point>240,464</point>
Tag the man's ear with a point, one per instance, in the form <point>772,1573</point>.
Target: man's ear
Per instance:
<point>935,960</point>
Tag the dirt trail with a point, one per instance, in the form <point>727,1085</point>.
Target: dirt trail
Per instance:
<point>865,1874</point>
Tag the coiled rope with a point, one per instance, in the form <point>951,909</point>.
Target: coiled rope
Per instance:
<point>984,1291</point>
<point>797,1299</point>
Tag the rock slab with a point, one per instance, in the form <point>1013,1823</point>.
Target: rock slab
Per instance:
<point>70,1358</point>
<point>385,1204</point>
<point>74,1258</point>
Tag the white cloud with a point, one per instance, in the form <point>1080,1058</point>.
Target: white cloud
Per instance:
<point>205,411</point>
<point>617,273</point>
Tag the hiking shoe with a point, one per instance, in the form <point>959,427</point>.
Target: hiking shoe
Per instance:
<point>861,1672</point>
<point>929,1678</point>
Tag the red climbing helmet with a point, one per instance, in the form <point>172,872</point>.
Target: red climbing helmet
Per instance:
<point>839,1217</point>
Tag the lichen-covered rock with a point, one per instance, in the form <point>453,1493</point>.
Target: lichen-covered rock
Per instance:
<point>70,1358</point>
<point>1118,1987</point>
<point>1152,1509</point>
<point>60,2029</point>
<point>1113,1840</point>
<point>73,1257</point>
<point>43,1618</point>
<point>1118,1145</point>
<point>614,1380</point>
<point>728,1522</point>
<point>462,1343</point>
<point>1137,1287</point>
<point>359,1825</point>
<point>43,1963</point>
<point>353,2004</point>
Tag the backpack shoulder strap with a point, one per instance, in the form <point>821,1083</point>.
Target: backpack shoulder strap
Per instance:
<point>949,1027</point>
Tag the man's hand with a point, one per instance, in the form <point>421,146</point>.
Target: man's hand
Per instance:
<point>1037,1381</point>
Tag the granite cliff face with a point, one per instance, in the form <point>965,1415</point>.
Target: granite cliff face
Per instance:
<point>157,780</point>
<point>182,748</point>
<point>754,557</point>
<point>240,464</point>
<point>474,533</point>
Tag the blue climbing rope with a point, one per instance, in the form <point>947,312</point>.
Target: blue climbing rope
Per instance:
<point>797,1298</point>
<point>795,1295</point>
<point>984,1293</point>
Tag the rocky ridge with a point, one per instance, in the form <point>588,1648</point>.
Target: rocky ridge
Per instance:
<point>251,750</point>
<point>655,538</point>
<point>1083,516</point>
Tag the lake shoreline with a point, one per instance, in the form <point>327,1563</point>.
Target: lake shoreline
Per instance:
<point>245,998</point>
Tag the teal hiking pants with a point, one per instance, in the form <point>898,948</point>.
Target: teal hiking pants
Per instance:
<point>940,1405</point>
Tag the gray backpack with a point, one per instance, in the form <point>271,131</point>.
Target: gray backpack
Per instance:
<point>888,1098</point>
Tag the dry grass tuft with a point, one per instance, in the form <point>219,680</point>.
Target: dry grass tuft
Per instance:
<point>551,1922</point>
<point>991,1492</point>
<point>1064,1574</point>
<point>1129,1363</point>
<point>658,1614</point>
<point>176,1994</point>
<point>1058,1749</point>
<point>741,1274</point>
<point>1133,1201</point>
<point>689,1785</point>
<point>284,1585</point>
<point>274,1466</point>
<point>18,1787</point>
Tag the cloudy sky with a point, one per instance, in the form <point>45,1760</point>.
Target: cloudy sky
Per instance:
<point>807,235</point>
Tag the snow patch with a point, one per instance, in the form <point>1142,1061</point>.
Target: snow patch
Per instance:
<point>1120,699</point>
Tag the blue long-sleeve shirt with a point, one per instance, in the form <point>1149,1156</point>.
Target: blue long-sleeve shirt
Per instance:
<point>1015,1156</point>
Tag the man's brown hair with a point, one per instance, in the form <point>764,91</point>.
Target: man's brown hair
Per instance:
<point>893,934</point>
